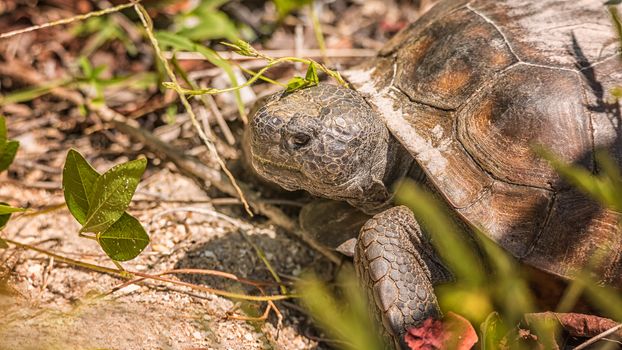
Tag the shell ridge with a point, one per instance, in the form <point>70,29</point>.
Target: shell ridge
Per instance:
<point>492,23</point>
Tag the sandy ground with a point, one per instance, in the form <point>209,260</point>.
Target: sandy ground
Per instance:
<point>55,306</point>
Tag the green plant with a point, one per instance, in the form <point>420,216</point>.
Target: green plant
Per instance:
<point>99,203</point>
<point>616,91</point>
<point>102,30</point>
<point>5,214</point>
<point>284,7</point>
<point>245,49</point>
<point>8,149</point>
<point>205,22</point>
<point>495,299</point>
<point>180,43</point>
<point>605,186</point>
<point>342,311</point>
<point>310,79</point>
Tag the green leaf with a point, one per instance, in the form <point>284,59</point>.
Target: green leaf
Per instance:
<point>296,83</point>
<point>8,149</point>
<point>4,218</point>
<point>124,239</point>
<point>613,2</point>
<point>97,71</point>
<point>341,311</point>
<point>212,25</point>
<point>243,48</point>
<point>7,209</point>
<point>311,75</point>
<point>5,214</point>
<point>7,154</point>
<point>3,131</point>
<point>78,180</point>
<point>492,330</point>
<point>111,195</point>
<point>310,79</point>
<point>85,66</point>
<point>31,93</point>
<point>284,7</point>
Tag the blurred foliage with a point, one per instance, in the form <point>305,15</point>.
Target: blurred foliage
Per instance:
<point>616,92</point>
<point>342,311</point>
<point>605,186</point>
<point>489,288</point>
<point>284,7</point>
<point>102,30</point>
<point>495,299</point>
<point>30,93</point>
<point>8,148</point>
<point>180,43</point>
<point>5,214</point>
<point>91,79</point>
<point>205,22</point>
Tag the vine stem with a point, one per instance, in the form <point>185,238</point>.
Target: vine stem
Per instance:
<point>68,20</point>
<point>128,275</point>
<point>255,77</point>
<point>146,21</point>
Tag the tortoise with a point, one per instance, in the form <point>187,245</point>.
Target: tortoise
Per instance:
<point>457,100</point>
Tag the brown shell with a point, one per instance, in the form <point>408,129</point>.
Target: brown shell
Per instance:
<point>473,85</point>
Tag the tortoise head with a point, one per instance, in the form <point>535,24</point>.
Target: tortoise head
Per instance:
<point>324,139</point>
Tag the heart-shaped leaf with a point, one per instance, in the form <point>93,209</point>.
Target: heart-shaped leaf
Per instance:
<point>7,154</point>
<point>111,195</point>
<point>124,239</point>
<point>78,180</point>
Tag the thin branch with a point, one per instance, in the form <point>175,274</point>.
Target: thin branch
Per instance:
<point>126,274</point>
<point>311,53</point>
<point>67,20</point>
<point>146,21</point>
<point>599,337</point>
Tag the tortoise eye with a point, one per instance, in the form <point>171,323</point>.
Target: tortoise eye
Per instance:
<point>299,140</point>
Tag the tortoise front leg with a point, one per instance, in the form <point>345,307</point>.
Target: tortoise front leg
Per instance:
<point>398,268</point>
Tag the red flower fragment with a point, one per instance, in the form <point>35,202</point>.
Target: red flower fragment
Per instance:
<point>453,332</point>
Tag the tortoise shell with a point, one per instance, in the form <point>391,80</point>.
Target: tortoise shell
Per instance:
<point>472,86</point>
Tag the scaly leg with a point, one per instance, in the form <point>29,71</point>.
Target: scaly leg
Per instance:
<point>398,267</point>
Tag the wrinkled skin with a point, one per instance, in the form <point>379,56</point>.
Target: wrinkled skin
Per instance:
<point>328,141</point>
<point>325,140</point>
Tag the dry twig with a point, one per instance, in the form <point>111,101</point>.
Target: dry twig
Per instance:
<point>67,20</point>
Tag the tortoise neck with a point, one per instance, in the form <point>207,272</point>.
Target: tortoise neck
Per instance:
<point>400,164</point>
<point>378,195</point>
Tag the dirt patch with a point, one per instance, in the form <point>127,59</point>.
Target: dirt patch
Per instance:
<point>58,306</point>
